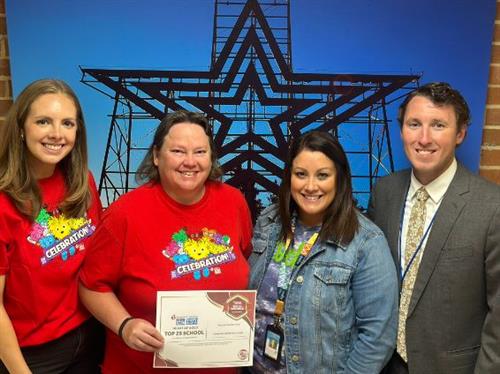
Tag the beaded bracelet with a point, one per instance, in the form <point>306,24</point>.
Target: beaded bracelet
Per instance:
<point>122,326</point>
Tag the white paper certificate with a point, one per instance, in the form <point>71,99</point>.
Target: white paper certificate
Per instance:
<point>205,328</point>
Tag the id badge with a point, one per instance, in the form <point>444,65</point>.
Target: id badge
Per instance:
<point>273,343</point>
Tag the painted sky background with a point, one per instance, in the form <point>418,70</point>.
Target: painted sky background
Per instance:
<point>444,40</point>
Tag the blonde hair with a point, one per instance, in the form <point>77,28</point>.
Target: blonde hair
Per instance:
<point>16,179</point>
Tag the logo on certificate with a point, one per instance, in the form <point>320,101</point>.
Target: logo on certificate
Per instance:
<point>236,307</point>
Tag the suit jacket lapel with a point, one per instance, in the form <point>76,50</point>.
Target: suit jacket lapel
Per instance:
<point>447,214</point>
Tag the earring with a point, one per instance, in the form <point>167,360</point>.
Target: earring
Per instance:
<point>22,136</point>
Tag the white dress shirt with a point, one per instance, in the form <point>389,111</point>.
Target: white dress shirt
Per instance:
<point>436,190</point>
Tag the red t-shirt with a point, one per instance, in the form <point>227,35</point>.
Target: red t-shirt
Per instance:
<point>40,261</point>
<point>143,244</point>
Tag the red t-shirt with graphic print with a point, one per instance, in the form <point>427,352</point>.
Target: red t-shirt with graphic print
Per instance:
<point>145,244</point>
<point>41,260</point>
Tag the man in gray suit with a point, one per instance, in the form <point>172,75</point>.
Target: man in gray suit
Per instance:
<point>443,226</point>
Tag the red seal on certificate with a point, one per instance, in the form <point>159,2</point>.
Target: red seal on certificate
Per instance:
<point>243,354</point>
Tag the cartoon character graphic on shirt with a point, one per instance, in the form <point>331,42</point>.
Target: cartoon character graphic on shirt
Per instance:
<point>58,235</point>
<point>199,254</point>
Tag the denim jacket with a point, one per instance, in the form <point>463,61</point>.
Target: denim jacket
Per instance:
<point>341,307</point>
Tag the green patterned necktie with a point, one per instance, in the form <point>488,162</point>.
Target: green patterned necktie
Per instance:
<point>414,235</point>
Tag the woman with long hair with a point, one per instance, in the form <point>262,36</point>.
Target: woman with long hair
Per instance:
<point>49,206</point>
<point>327,285</point>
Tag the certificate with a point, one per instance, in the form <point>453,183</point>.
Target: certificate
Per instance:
<point>205,329</point>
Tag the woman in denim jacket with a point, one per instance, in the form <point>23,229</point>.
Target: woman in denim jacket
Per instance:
<point>327,285</point>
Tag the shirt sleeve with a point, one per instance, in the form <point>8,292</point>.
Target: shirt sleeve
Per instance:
<point>101,268</point>
<point>95,210</point>
<point>4,240</point>
<point>4,260</point>
<point>375,295</point>
<point>246,228</point>
<point>488,360</point>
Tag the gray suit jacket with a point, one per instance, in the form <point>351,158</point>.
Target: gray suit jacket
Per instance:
<point>453,324</point>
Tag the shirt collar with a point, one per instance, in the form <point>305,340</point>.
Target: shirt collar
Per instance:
<point>438,187</point>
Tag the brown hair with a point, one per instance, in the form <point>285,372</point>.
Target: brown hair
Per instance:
<point>441,94</point>
<point>148,171</point>
<point>340,221</point>
<point>16,179</point>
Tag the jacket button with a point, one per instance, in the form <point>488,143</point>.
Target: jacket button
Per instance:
<point>300,279</point>
<point>295,358</point>
<point>293,320</point>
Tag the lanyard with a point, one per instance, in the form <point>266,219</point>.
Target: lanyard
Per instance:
<point>289,258</point>
<point>420,244</point>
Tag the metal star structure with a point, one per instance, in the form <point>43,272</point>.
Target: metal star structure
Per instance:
<point>255,103</point>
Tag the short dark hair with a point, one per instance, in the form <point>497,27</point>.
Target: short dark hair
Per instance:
<point>340,221</point>
<point>148,171</point>
<point>441,94</point>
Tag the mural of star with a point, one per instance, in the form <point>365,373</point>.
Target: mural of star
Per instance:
<point>251,76</point>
